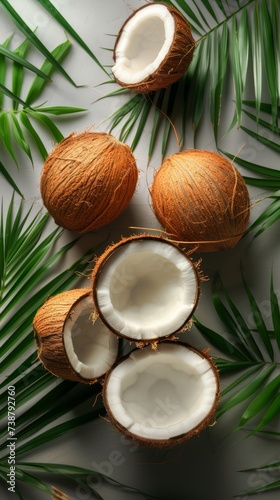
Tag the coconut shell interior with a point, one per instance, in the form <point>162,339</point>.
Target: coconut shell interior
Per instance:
<point>172,65</point>
<point>162,397</point>
<point>71,343</point>
<point>145,288</point>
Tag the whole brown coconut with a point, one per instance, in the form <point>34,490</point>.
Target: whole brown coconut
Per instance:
<point>200,197</point>
<point>88,180</point>
<point>153,49</point>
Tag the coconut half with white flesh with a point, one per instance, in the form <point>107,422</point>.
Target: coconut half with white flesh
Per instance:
<point>145,288</point>
<point>153,49</point>
<point>72,343</point>
<point>164,396</point>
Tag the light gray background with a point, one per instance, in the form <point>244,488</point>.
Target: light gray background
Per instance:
<point>206,467</point>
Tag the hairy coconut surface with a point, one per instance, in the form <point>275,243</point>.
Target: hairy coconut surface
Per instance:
<point>164,396</point>
<point>153,49</point>
<point>145,288</point>
<point>72,343</point>
<point>88,180</point>
<point>200,197</point>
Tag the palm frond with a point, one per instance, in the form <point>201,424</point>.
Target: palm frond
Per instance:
<point>38,84</point>
<point>10,180</point>
<point>265,177</point>
<point>271,469</point>
<point>79,476</point>
<point>268,217</point>
<point>251,352</point>
<point>28,33</point>
<point>231,37</point>
<point>27,258</point>
<point>14,56</point>
<point>5,91</point>
<point>18,71</point>
<point>17,125</point>
<point>3,69</point>
<point>52,10</point>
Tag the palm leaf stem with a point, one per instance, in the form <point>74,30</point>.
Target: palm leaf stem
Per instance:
<point>233,14</point>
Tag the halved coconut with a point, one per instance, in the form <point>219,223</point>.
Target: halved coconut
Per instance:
<point>164,396</point>
<point>145,288</point>
<point>153,49</point>
<point>72,343</point>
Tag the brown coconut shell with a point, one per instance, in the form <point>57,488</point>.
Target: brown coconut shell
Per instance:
<point>104,258</point>
<point>88,180</point>
<point>48,325</point>
<point>200,197</point>
<point>176,62</point>
<point>209,419</point>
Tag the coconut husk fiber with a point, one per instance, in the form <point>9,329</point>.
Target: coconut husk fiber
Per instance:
<point>199,197</point>
<point>88,180</point>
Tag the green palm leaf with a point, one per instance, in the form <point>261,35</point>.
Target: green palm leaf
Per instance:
<point>261,401</point>
<point>64,23</point>
<point>268,217</point>
<point>272,468</point>
<point>79,475</point>
<point>21,61</point>
<point>3,69</point>
<point>259,383</point>
<point>219,52</point>
<point>21,238</point>
<point>5,91</point>
<point>266,177</point>
<point>256,57</point>
<point>270,60</point>
<point>10,180</point>
<point>23,27</point>
<point>199,79</point>
<point>33,134</point>
<point>21,119</point>
<point>18,72</point>
<point>19,136</point>
<point>246,391</point>
<point>27,258</point>
<point>260,323</point>
<point>38,84</point>
<point>262,489</point>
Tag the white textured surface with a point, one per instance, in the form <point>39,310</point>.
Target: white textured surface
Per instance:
<point>90,346</point>
<point>207,467</point>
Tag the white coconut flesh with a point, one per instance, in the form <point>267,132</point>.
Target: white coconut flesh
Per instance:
<point>162,394</point>
<point>147,290</point>
<point>143,44</point>
<point>90,346</point>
